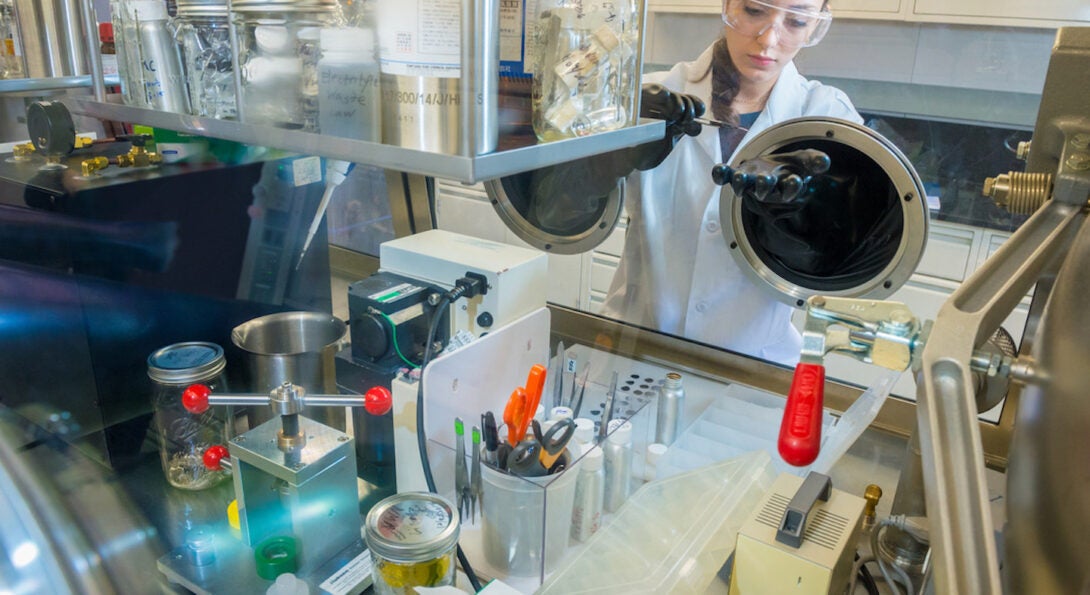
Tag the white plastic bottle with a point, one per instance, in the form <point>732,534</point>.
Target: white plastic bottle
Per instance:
<point>617,452</point>
<point>348,85</point>
<point>589,496</point>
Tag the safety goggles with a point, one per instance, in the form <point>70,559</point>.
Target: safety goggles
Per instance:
<point>796,27</point>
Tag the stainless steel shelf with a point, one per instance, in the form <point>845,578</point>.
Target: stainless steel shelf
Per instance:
<point>454,167</point>
<point>31,85</point>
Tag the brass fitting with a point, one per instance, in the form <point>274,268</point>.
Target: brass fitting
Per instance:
<point>1020,193</point>
<point>84,142</point>
<point>1023,150</point>
<point>23,152</point>
<point>94,165</point>
<point>872,495</point>
<point>138,157</point>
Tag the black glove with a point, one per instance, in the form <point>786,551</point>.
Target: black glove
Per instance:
<point>777,179</point>
<point>680,112</point>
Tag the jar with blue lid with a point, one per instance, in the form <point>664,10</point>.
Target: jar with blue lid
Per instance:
<point>183,436</point>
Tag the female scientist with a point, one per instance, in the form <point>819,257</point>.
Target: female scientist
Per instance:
<point>676,274</point>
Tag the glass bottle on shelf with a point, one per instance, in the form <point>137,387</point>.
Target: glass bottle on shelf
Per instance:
<point>128,67</point>
<point>348,85</point>
<point>11,66</point>
<point>584,72</point>
<point>107,49</point>
<point>203,34</point>
<point>277,59</point>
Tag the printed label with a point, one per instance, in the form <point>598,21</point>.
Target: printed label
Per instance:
<point>420,38</point>
<point>306,170</point>
<point>350,576</point>
<point>394,293</point>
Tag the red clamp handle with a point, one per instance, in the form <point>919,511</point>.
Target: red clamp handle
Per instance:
<point>800,431</point>
<point>195,398</point>
<point>213,456</point>
<point>378,400</point>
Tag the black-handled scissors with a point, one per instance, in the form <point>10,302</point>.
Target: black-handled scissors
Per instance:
<point>554,440</point>
<point>525,459</point>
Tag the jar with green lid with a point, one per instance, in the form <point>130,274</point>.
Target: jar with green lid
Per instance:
<point>277,59</point>
<point>183,436</point>
<point>412,537</point>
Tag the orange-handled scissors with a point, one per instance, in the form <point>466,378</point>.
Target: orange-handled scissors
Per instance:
<point>535,385</point>
<point>517,415</point>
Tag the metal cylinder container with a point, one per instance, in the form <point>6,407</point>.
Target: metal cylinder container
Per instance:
<point>50,32</point>
<point>296,347</point>
<point>670,405</point>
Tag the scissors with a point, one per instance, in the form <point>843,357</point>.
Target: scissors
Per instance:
<point>523,404</point>
<point>517,415</point>
<point>525,459</point>
<point>554,440</point>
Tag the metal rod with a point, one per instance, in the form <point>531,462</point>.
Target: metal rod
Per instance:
<point>333,400</point>
<point>31,85</point>
<point>237,399</point>
<point>94,59</point>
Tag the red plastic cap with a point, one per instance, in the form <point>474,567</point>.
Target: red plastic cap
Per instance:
<point>195,398</point>
<point>106,32</point>
<point>213,456</point>
<point>378,400</point>
<point>800,431</point>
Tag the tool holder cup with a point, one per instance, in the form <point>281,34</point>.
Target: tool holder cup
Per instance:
<point>526,521</point>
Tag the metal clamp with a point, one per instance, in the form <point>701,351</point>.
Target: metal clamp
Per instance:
<point>882,333</point>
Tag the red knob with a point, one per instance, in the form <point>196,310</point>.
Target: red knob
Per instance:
<point>378,400</point>
<point>213,456</point>
<point>800,431</point>
<point>195,398</point>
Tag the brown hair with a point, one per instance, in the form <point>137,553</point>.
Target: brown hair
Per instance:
<point>725,83</point>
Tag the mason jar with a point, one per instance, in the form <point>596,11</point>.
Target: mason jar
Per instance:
<point>278,57</point>
<point>585,67</point>
<point>203,33</point>
<point>184,436</point>
<point>412,537</point>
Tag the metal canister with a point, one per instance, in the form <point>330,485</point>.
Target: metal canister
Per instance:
<point>164,85</point>
<point>412,537</point>
<point>670,406</point>
<point>183,436</point>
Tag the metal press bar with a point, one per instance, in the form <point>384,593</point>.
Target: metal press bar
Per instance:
<point>962,536</point>
<point>94,59</point>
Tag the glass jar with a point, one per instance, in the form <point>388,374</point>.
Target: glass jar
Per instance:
<point>203,34</point>
<point>412,537</point>
<point>585,78</point>
<point>278,59</point>
<point>183,436</point>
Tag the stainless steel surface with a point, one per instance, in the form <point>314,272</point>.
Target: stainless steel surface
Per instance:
<point>463,169</point>
<point>885,155</point>
<point>296,347</point>
<point>51,33</point>
<point>422,113</point>
<point>957,498</point>
<point>480,77</point>
<point>872,331</point>
<point>309,493</point>
<point>1047,484</point>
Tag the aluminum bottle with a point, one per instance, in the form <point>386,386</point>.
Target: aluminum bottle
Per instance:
<point>589,495</point>
<point>617,452</point>
<point>671,404</point>
<point>161,64</point>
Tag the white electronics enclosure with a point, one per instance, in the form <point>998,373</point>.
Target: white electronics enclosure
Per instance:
<point>516,276</point>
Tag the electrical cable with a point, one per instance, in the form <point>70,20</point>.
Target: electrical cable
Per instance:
<point>421,439</point>
<point>868,581</point>
<point>901,574</point>
<point>393,336</point>
<point>861,574</point>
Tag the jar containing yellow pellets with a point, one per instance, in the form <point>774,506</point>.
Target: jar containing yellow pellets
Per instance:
<point>412,537</point>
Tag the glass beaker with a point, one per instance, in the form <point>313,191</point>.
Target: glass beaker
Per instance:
<point>278,59</point>
<point>203,33</point>
<point>183,436</point>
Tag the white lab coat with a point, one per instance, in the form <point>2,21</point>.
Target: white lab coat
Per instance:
<point>676,274</point>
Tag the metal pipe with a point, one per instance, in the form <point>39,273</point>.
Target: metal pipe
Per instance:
<point>479,77</point>
<point>91,48</point>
